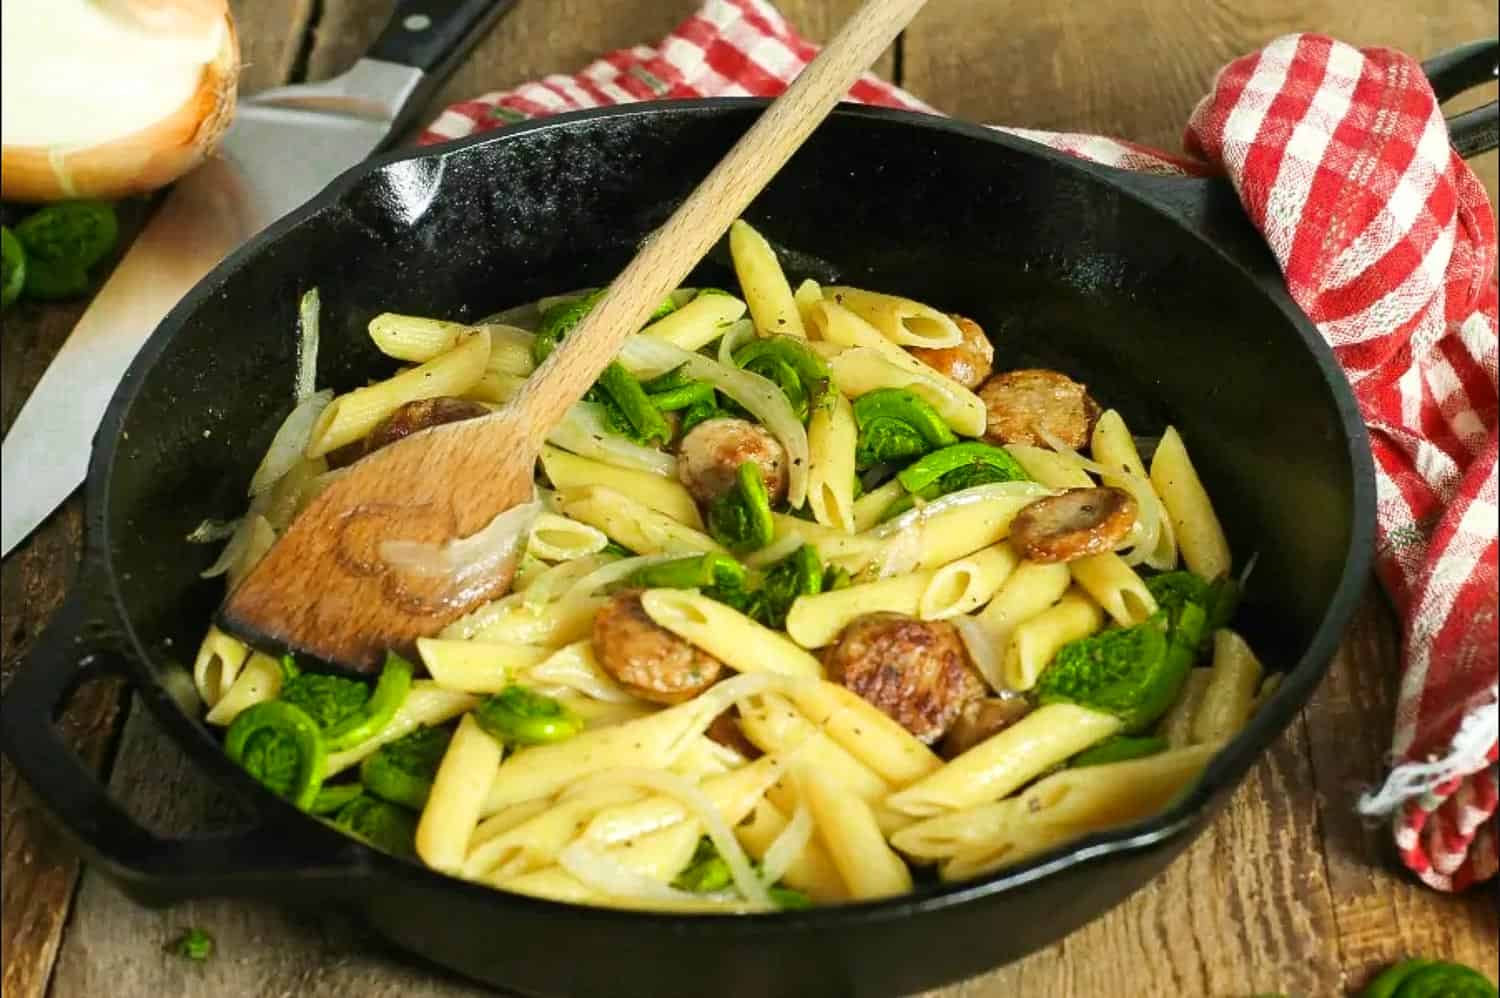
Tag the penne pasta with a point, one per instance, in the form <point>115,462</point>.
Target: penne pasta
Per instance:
<point>767,292</point>
<point>476,666</point>
<point>870,508</point>
<point>774,726</point>
<point>1177,726</point>
<point>876,363</point>
<point>1054,470</point>
<point>1113,447</point>
<point>557,538</point>
<point>848,830</point>
<point>699,322</point>
<point>658,857</point>
<point>735,794</point>
<point>633,524</point>
<point>1230,694</point>
<point>818,619</point>
<point>1027,591</point>
<point>258,680</point>
<point>900,320</point>
<point>967,584</point>
<point>351,416</point>
<point>575,667</point>
<point>1115,586</point>
<point>807,295</point>
<point>665,495</point>
<point>218,663</point>
<point>1003,762</point>
<point>1035,641</point>
<point>728,635</point>
<point>811,872</point>
<point>865,732</point>
<point>535,842</point>
<point>1200,539</point>
<point>458,791</point>
<point>831,437</point>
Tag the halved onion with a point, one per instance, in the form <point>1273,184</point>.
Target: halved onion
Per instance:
<point>108,98</point>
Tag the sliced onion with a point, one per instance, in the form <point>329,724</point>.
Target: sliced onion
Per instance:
<point>290,440</point>
<point>559,579</point>
<point>239,541</point>
<point>758,395</point>
<point>983,652</point>
<point>583,432</point>
<point>108,98</point>
<point>750,887</point>
<point>307,345</point>
<point>463,560</point>
<point>211,531</point>
<point>736,336</point>
<point>787,847</point>
<point>600,872</point>
<point>963,497</point>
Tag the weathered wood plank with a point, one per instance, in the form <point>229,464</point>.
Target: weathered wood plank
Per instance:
<point>1382,915</point>
<point>1136,70</point>
<point>37,868</point>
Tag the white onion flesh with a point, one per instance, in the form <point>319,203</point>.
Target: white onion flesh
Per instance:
<point>983,652</point>
<point>787,847</point>
<point>583,432</point>
<point>290,441</point>
<point>307,345</point>
<point>465,560</point>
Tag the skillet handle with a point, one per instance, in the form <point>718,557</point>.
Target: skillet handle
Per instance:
<point>1451,73</point>
<point>263,860</point>
<point>431,35</point>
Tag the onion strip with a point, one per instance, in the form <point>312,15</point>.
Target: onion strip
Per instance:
<point>307,344</point>
<point>464,560</point>
<point>759,396</point>
<point>787,847</point>
<point>290,441</point>
<point>583,432</point>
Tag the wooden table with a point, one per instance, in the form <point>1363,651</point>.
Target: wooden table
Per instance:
<point>1288,891</point>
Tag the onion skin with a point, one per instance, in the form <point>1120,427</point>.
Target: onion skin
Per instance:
<point>141,161</point>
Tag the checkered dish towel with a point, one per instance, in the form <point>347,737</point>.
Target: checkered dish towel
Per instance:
<point>1387,241</point>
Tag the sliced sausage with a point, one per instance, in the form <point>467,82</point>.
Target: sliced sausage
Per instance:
<point>979,720</point>
<point>1073,524</point>
<point>1019,403</point>
<point>710,455</point>
<point>916,671</point>
<point>968,362</point>
<point>725,729</point>
<point>646,659</point>
<point>405,421</point>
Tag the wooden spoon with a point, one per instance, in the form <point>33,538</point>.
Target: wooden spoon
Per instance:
<point>324,588</point>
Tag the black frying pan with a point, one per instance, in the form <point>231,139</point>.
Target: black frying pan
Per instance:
<point>1155,291</point>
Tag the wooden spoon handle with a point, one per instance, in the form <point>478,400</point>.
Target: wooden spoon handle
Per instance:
<point>670,253</point>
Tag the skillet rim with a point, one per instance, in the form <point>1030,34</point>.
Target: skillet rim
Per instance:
<point>1223,772</point>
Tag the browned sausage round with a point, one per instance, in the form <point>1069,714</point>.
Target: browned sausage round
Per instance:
<point>968,362</point>
<point>979,720</point>
<point>405,421</point>
<point>1017,403</point>
<point>711,453</point>
<point>648,660</point>
<point>1073,524</point>
<point>916,671</point>
<point>725,729</point>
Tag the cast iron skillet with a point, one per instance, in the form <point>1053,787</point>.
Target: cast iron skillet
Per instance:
<point>1154,290</point>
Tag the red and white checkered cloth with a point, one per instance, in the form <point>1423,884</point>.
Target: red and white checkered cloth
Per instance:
<point>1387,241</point>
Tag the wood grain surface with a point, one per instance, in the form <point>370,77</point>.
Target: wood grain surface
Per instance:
<point>1287,891</point>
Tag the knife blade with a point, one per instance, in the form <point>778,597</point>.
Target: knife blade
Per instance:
<point>285,145</point>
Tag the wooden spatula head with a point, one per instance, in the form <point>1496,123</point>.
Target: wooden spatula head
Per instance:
<point>325,590</point>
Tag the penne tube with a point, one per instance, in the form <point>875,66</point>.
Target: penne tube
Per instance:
<point>865,732</point>
<point>1069,805</point>
<point>476,666</point>
<point>1034,642</point>
<point>767,292</point>
<point>665,495</point>
<point>1006,761</point>
<point>659,856</point>
<point>515,622</point>
<point>458,791</point>
<point>426,705</point>
<point>831,437</point>
<point>699,322</point>
<point>1200,538</point>
<point>1115,586</point>
<point>1054,470</point>
<point>967,584</point>
<point>735,794</point>
<point>728,635</point>
<point>219,660</point>
<point>832,544</point>
<point>413,338</point>
<point>1230,694</point>
<point>351,416</point>
<point>557,538</point>
<point>1177,726</point>
<point>920,539</point>
<point>633,524</point>
<point>818,619</point>
<point>848,830</point>
<point>812,872</point>
<point>574,667</point>
<point>776,727</point>
<point>900,320</point>
<point>503,821</point>
<point>870,508</point>
<point>494,387</point>
<point>258,680</point>
<point>807,295</point>
<point>534,843</point>
<point>1031,588</point>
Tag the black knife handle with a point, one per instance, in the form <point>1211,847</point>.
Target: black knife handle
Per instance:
<point>432,35</point>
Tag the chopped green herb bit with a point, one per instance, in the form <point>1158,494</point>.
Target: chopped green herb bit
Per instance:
<point>193,944</point>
